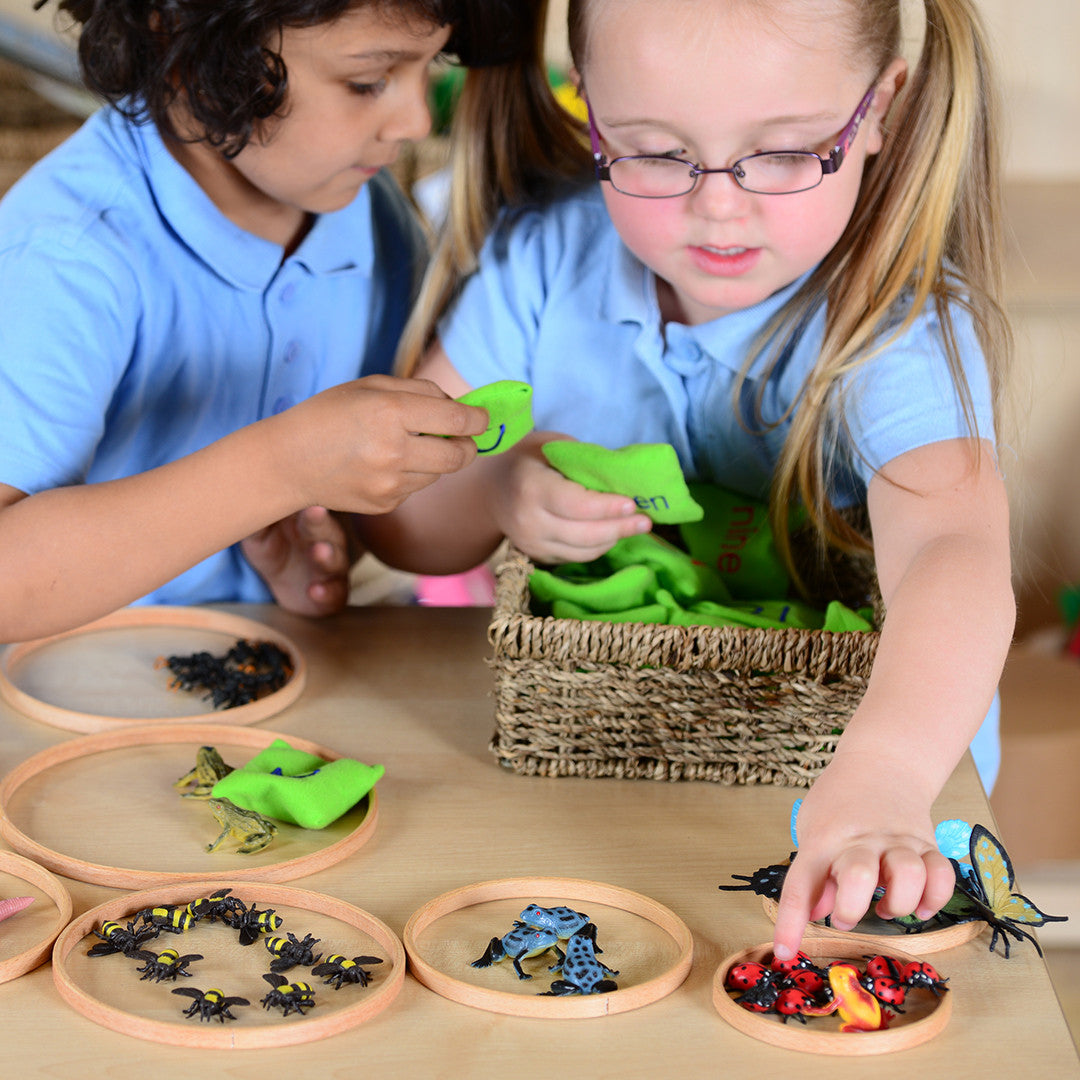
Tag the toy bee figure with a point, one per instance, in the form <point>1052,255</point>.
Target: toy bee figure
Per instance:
<point>115,938</point>
<point>210,1003</point>
<point>289,997</point>
<point>290,951</point>
<point>252,922</point>
<point>175,920</point>
<point>167,964</point>
<point>340,970</point>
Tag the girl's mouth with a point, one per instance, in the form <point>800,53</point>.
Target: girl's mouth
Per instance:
<point>725,261</point>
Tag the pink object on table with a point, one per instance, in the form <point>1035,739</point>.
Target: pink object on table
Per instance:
<point>14,904</point>
<point>474,588</point>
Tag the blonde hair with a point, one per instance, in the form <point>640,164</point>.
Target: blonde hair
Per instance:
<point>925,231</point>
<point>510,142</point>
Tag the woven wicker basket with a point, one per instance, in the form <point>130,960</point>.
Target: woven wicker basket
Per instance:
<point>735,706</point>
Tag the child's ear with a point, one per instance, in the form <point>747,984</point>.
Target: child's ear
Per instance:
<point>885,92</point>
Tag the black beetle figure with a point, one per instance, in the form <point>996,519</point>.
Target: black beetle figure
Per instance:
<point>210,1004</point>
<point>768,881</point>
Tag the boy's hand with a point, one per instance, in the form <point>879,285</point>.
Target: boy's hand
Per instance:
<point>552,519</point>
<point>358,447</point>
<point>304,561</point>
<point>852,837</point>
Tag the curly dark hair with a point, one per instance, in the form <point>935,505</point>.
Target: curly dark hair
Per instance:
<point>219,58</point>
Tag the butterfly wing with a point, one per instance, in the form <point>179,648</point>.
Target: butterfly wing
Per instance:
<point>995,872</point>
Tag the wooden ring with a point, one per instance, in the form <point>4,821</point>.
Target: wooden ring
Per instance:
<point>198,735</point>
<point>231,1036</point>
<point>13,966</point>
<point>570,890</point>
<point>796,1036</point>
<point>186,618</point>
<point>927,941</point>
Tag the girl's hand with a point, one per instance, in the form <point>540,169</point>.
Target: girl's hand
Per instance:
<point>304,561</point>
<point>366,445</point>
<point>553,519</point>
<point>851,840</point>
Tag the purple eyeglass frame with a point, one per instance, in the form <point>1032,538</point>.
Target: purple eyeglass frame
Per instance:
<point>829,164</point>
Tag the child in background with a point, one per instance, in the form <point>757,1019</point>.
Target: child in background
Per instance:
<point>789,270</point>
<point>193,285</point>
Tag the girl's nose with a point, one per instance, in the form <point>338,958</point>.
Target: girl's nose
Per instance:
<point>718,195</point>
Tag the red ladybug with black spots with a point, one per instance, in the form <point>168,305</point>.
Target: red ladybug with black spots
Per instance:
<point>747,976</point>
<point>793,1002</point>
<point>923,975</point>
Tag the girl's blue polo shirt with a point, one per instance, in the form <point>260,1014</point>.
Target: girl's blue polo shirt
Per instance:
<point>559,302</point>
<point>140,324</point>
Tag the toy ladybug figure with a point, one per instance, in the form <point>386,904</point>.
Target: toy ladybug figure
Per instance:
<point>747,976</point>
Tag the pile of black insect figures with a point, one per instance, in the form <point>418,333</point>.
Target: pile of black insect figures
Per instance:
<point>287,952</point>
<point>540,930</point>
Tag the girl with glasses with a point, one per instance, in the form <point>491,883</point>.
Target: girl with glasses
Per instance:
<point>774,245</point>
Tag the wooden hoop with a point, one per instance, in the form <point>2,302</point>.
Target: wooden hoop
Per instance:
<point>197,734</point>
<point>187,618</point>
<point>372,1001</point>
<point>796,1036</point>
<point>927,941</point>
<point>572,890</point>
<point>15,865</point>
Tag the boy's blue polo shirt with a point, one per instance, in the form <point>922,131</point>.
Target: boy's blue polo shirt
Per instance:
<point>559,302</point>
<point>140,324</point>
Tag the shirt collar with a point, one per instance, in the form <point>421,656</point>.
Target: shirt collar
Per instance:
<point>629,296</point>
<point>337,242</point>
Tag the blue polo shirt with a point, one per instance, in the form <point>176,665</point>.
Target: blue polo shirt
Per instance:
<point>140,324</point>
<point>559,302</point>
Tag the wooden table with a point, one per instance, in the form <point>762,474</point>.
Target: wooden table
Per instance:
<point>408,687</point>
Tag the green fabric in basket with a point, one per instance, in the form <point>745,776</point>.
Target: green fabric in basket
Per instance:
<point>629,587</point>
<point>647,579</point>
<point>734,535</point>
<point>649,473</point>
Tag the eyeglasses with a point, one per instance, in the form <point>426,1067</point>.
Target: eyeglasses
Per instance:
<point>775,172</point>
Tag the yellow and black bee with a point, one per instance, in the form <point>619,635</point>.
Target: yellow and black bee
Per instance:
<point>289,997</point>
<point>217,906</point>
<point>164,965</point>
<point>210,1003</point>
<point>252,922</point>
<point>176,920</point>
<point>116,938</point>
<point>290,951</point>
<point>340,970</point>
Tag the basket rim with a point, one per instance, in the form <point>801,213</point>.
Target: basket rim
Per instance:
<point>515,632</point>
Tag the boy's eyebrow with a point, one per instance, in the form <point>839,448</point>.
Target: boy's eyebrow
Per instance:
<point>384,56</point>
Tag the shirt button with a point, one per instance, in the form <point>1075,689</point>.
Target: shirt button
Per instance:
<point>281,404</point>
<point>292,352</point>
<point>287,293</point>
